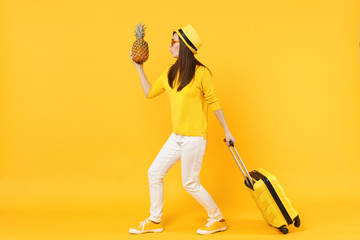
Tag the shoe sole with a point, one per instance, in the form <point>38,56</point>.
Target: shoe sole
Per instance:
<point>203,232</point>
<point>134,231</point>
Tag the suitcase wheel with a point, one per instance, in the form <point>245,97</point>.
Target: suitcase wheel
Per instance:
<point>297,221</point>
<point>283,229</point>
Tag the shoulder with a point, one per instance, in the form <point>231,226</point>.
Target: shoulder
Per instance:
<point>165,73</point>
<point>203,71</point>
<point>167,69</point>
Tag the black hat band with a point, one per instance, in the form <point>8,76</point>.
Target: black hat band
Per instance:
<point>187,40</point>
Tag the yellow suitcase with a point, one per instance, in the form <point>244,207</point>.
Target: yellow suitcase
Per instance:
<point>269,196</point>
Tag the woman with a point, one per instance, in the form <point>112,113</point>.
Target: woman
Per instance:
<point>189,86</point>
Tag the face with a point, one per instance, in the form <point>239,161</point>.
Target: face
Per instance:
<point>175,47</point>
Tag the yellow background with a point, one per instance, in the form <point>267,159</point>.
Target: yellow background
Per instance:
<point>78,134</point>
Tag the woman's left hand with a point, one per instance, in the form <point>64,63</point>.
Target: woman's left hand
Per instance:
<point>229,138</point>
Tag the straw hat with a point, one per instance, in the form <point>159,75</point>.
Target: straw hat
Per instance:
<point>190,38</point>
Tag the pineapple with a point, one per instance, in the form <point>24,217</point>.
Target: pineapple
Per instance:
<point>140,48</point>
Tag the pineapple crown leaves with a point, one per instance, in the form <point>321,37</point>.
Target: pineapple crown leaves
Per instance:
<point>140,30</point>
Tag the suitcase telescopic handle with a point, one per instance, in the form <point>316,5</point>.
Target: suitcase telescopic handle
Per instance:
<point>242,167</point>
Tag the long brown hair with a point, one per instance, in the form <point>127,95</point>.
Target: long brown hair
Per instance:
<point>185,65</point>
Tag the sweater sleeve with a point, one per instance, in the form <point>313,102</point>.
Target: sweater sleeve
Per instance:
<point>158,86</point>
<point>210,91</point>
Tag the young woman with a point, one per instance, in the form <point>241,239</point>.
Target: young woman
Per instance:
<point>189,86</point>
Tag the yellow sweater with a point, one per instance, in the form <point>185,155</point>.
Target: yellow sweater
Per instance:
<point>189,106</point>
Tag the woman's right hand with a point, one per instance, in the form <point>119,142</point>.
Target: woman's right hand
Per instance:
<point>137,65</point>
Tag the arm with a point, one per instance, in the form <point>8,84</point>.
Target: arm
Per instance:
<point>143,79</point>
<point>220,116</point>
<point>212,100</point>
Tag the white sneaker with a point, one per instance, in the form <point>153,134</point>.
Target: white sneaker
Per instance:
<point>212,226</point>
<point>147,226</point>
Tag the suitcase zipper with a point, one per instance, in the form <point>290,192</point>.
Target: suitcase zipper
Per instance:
<point>257,175</point>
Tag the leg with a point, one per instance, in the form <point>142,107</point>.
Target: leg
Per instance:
<point>191,161</point>
<point>167,157</point>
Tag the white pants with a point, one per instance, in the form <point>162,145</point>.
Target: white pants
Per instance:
<point>191,151</point>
